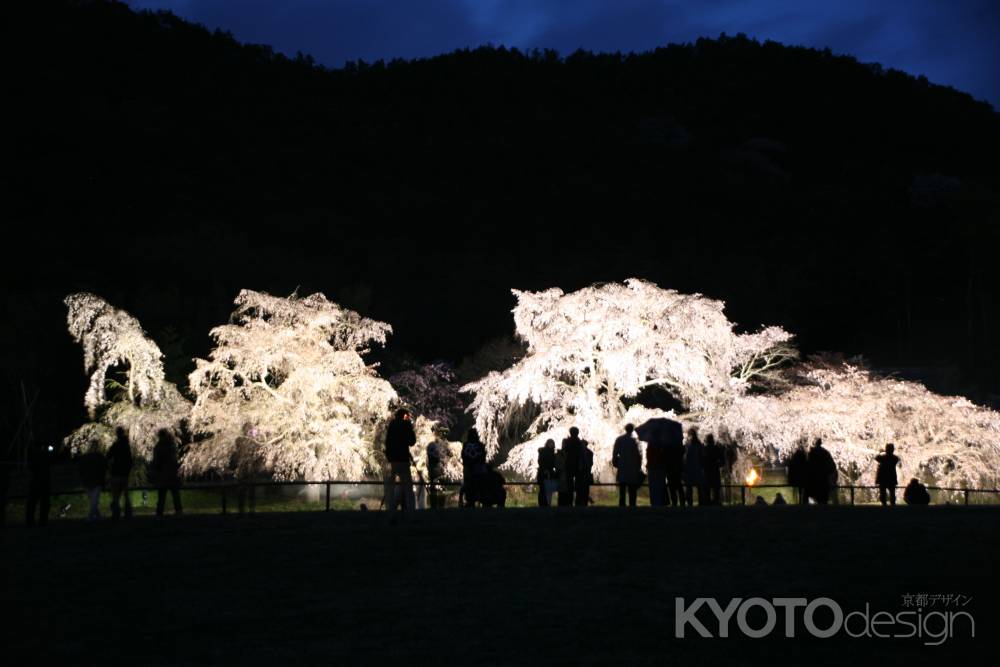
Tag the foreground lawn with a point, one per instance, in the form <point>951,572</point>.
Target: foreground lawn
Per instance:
<point>519,586</point>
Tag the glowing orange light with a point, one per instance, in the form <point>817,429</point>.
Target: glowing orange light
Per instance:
<point>752,477</point>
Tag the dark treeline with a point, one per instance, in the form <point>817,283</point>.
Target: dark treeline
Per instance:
<point>165,166</point>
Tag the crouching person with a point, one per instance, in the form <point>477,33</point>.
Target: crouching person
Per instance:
<point>491,490</point>
<point>916,493</point>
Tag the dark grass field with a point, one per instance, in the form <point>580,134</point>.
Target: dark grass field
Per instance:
<point>518,586</point>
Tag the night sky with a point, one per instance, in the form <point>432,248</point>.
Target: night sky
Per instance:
<point>950,42</point>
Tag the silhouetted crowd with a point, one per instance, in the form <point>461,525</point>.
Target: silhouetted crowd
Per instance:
<point>98,472</point>
<point>677,470</point>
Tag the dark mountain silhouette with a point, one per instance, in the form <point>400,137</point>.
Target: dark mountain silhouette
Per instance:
<point>165,166</point>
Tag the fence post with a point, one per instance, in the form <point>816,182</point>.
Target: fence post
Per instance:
<point>852,494</point>
<point>966,496</point>
<point>223,500</point>
<point>743,495</point>
<point>328,496</point>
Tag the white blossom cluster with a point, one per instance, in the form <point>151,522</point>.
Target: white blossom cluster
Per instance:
<point>591,349</point>
<point>286,390</point>
<point>943,440</point>
<point>111,338</point>
<point>288,376</point>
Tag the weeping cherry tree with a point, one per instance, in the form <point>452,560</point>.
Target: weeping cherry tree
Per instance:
<point>942,440</point>
<point>590,351</point>
<point>142,401</point>
<point>287,386</point>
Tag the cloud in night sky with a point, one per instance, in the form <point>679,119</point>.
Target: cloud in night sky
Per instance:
<point>951,42</point>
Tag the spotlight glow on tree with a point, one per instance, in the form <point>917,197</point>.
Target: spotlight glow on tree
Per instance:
<point>111,338</point>
<point>942,440</point>
<point>288,374</point>
<point>591,349</point>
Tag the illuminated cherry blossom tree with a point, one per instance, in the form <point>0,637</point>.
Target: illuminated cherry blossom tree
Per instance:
<point>590,350</point>
<point>288,375</point>
<point>114,342</point>
<point>942,440</point>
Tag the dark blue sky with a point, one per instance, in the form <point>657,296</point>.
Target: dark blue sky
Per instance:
<point>952,42</point>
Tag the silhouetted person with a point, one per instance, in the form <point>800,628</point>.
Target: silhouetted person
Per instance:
<point>675,468</point>
<point>822,473</point>
<point>492,492</point>
<point>798,475</point>
<point>547,473</point>
<point>120,457</point>
<point>39,483</point>
<point>420,498</point>
<point>93,469</point>
<point>435,472</point>
<point>656,468</point>
<point>399,437</point>
<point>473,467</point>
<point>694,474</point>
<point>627,461</point>
<point>585,475</point>
<point>165,468</point>
<point>916,493</point>
<point>779,499</point>
<point>564,496</point>
<point>885,475</point>
<point>713,458</point>
<point>571,447</point>
<point>664,440</point>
